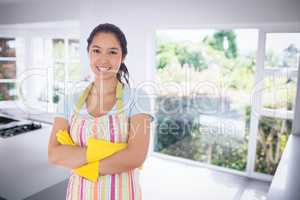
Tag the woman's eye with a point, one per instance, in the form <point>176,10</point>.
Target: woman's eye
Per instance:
<point>96,51</point>
<point>113,52</point>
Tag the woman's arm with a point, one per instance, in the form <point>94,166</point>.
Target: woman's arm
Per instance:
<point>65,155</point>
<point>135,153</point>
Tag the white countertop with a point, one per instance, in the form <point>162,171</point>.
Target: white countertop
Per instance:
<point>19,113</point>
<point>24,168</point>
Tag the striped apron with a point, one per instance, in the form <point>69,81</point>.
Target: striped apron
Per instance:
<point>112,127</point>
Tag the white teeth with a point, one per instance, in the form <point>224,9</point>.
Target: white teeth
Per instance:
<point>102,69</point>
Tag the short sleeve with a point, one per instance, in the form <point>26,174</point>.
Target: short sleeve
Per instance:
<point>142,103</point>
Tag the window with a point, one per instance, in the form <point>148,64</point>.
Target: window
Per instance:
<point>38,63</point>
<point>218,98</point>
<point>213,72</point>
<point>66,65</point>
<point>59,58</point>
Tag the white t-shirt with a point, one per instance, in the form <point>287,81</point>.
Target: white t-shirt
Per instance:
<point>135,101</point>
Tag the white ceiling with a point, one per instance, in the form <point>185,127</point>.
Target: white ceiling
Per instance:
<point>16,1</point>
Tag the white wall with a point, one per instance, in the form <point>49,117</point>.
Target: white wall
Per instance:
<point>139,20</point>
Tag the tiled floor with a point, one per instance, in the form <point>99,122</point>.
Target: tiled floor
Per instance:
<point>163,179</point>
<point>255,190</point>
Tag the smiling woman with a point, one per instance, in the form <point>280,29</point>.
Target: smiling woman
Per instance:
<point>103,136</point>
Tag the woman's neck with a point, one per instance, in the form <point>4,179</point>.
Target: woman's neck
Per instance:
<point>104,87</point>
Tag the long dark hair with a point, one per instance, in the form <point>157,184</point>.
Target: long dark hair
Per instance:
<point>116,31</point>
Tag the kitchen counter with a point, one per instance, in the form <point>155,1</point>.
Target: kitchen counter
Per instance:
<point>57,192</point>
<point>43,117</point>
<point>24,168</point>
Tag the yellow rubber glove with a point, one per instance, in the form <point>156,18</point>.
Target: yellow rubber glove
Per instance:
<point>63,137</point>
<point>100,149</point>
<point>97,149</point>
<point>88,171</point>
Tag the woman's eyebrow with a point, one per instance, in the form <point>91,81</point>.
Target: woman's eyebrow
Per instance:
<point>114,48</point>
<point>111,48</point>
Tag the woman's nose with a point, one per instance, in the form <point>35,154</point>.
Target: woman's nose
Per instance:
<point>103,59</point>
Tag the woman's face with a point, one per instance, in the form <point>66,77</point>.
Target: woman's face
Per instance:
<point>105,55</point>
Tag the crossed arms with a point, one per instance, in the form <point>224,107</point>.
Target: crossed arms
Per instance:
<point>131,157</point>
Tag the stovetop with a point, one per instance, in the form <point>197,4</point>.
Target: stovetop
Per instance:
<point>10,126</point>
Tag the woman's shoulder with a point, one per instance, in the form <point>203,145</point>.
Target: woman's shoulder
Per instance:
<point>137,92</point>
<point>138,100</point>
<point>132,94</point>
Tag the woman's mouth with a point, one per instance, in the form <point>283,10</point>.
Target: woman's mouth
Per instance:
<point>102,69</point>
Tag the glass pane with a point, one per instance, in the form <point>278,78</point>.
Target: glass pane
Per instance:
<point>73,49</point>
<point>279,93</point>
<point>59,71</point>
<point>272,137</point>
<point>8,91</point>
<point>59,49</point>
<point>282,50</point>
<point>7,69</point>
<point>74,71</point>
<point>204,114</point>
<point>7,47</point>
